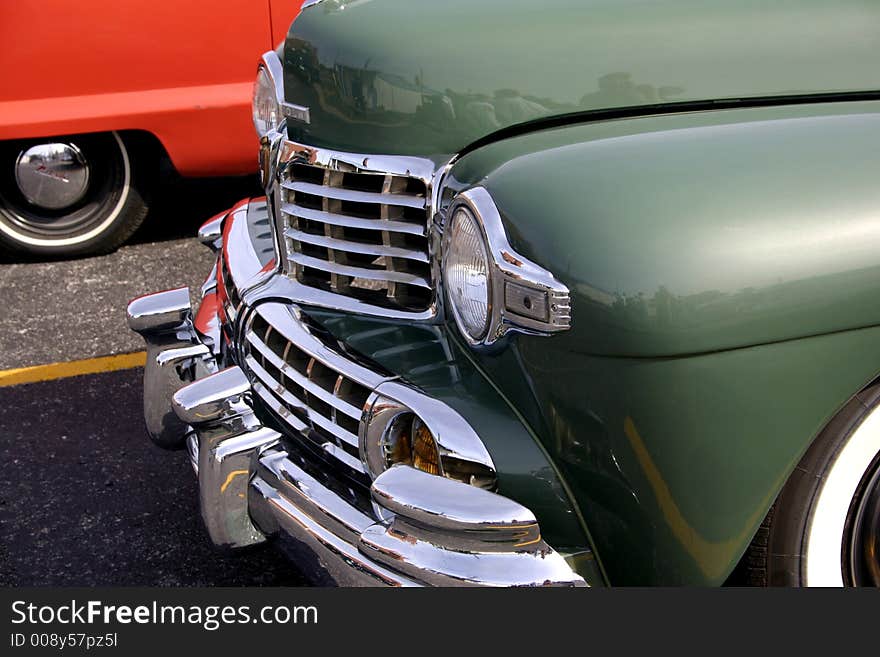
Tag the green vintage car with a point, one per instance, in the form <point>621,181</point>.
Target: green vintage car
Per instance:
<point>565,292</point>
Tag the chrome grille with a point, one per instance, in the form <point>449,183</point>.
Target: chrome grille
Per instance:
<point>307,391</point>
<point>358,233</point>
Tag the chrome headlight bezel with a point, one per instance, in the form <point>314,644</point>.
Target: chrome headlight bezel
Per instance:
<point>523,296</point>
<point>271,73</point>
<point>474,329</point>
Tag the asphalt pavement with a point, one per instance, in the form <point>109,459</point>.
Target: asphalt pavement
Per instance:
<point>85,498</point>
<point>69,310</point>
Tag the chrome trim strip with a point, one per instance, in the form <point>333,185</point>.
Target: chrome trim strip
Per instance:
<point>355,247</point>
<point>352,222</point>
<point>405,167</point>
<point>309,3</point>
<point>243,261</point>
<point>286,319</point>
<point>177,354</point>
<point>330,507</point>
<point>338,453</point>
<point>210,284</point>
<point>343,194</point>
<point>358,272</point>
<point>285,287</point>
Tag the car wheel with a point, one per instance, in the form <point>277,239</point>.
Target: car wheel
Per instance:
<point>824,529</point>
<point>69,196</point>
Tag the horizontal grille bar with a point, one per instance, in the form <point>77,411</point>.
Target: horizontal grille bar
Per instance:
<point>345,221</point>
<point>356,247</point>
<point>359,272</point>
<point>281,411</point>
<point>309,387</point>
<point>299,404</point>
<point>342,194</point>
<point>304,382</point>
<point>275,404</point>
<point>344,456</point>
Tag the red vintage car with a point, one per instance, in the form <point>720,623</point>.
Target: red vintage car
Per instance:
<point>95,94</point>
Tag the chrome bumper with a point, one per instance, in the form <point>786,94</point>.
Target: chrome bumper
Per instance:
<point>426,530</point>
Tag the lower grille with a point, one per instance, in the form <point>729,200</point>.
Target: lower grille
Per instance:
<point>303,383</point>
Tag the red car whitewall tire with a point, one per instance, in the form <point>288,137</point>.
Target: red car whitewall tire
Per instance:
<point>40,216</point>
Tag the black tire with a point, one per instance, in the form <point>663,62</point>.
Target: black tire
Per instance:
<point>112,206</point>
<point>818,531</point>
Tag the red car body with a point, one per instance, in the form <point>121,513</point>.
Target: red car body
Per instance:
<point>181,71</point>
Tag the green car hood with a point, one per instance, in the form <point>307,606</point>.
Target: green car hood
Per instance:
<point>430,78</point>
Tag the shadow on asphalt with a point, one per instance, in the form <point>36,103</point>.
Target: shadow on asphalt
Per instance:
<point>87,500</point>
<point>179,206</point>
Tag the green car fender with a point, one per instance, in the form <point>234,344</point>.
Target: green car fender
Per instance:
<point>430,358</point>
<point>725,275</point>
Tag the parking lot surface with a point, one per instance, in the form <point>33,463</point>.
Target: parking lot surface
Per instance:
<point>85,498</point>
<point>68,310</point>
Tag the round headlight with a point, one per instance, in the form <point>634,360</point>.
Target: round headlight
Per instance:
<point>466,274</point>
<point>267,113</point>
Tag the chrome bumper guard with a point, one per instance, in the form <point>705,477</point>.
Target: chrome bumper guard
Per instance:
<point>175,356</point>
<point>426,529</point>
<point>436,532</point>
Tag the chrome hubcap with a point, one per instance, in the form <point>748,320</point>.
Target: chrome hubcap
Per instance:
<point>52,176</point>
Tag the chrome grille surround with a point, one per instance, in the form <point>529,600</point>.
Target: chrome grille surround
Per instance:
<point>323,396</point>
<point>358,227</point>
<point>319,395</point>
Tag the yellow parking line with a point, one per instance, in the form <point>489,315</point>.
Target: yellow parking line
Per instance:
<point>72,368</point>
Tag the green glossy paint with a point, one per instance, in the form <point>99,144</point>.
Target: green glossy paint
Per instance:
<point>428,78</point>
<point>703,251</point>
<point>698,232</point>
<point>724,265</point>
<point>676,461</point>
